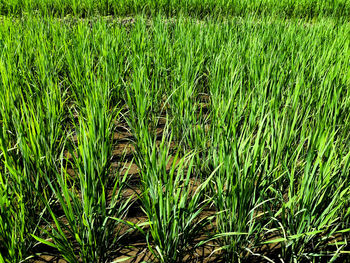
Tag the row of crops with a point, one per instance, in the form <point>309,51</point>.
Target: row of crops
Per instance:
<point>199,8</point>
<point>174,138</point>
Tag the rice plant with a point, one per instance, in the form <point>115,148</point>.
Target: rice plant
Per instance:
<point>173,202</point>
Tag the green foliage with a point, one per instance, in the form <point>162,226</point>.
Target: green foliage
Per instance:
<point>83,8</point>
<point>248,117</point>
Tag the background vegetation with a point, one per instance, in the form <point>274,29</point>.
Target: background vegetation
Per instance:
<point>198,8</point>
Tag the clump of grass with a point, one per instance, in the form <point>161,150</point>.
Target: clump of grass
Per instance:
<point>313,222</point>
<point>91,198</point>
<point>173,200</point>
<point>30,141</point>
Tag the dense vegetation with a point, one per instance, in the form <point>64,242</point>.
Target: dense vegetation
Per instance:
<point>199,8</point>
<point>229,132</point>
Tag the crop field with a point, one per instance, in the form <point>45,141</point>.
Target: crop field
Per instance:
<point>174,131</point>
